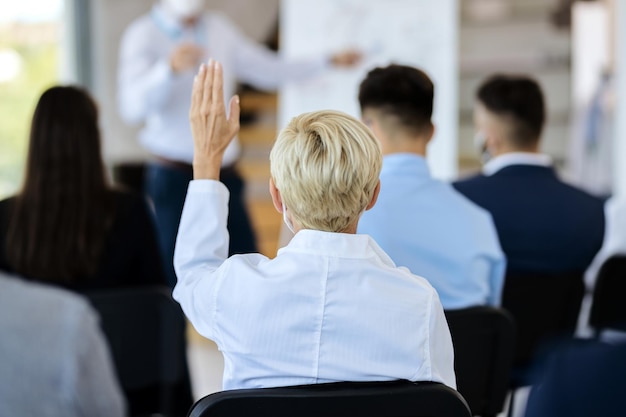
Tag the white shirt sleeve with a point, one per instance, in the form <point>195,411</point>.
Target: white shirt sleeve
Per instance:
<point>255,64</point>
<point>614,238</point>
<point>201,249</point>
<point>498,266</point>
<point>496,281</point>
<point>440,345</point>
<point>144,79</point>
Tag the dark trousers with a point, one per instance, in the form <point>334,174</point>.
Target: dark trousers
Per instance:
<point>167,187</point>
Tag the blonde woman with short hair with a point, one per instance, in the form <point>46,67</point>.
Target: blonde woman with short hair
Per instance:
<point>331,306</point>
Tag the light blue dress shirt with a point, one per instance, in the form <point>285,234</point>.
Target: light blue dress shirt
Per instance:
<point>330,307</point>
<point>427,226</point>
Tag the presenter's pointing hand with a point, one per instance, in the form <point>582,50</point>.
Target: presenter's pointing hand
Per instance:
<point>346,59</point>
<point>212,128</point>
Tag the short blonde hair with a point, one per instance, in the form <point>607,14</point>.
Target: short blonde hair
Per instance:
<point>326,165</point>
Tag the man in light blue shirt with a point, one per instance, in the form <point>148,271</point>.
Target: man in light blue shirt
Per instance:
<point>422,223</point>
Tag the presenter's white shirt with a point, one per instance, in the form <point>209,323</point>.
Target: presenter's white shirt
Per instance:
<point>330,307</point>
<point>150,93</point>
<point>614,238</point>
<point>614,244</point>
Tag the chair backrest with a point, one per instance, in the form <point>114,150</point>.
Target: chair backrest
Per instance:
<point>145,329</point>
<point>130,175</point>
<point>608,309</point>
<point>354,399</point>
<point>544,307</point>
<point>484,345</point>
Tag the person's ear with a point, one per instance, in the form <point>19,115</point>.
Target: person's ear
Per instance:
<point>431,132</point>
<point>374,197</point>
<point>276,198</point>
<point>493,142</point>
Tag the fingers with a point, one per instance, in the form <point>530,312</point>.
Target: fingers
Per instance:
<point>206,89</point>
<point>218,84</point>
<point>197,91</point>
<point>235,111</point>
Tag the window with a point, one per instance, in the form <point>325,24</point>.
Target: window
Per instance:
<point>30,44</point>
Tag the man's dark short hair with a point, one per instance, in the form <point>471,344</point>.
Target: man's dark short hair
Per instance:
<point>401,91</point>
<point>520,98</point>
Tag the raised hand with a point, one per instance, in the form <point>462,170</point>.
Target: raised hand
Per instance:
<point>211,127</point>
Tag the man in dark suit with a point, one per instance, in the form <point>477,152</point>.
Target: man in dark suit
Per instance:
<point>582,379</point>
<point>544,225</point>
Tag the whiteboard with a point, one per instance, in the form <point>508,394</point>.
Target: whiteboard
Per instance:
<point>421,33</point>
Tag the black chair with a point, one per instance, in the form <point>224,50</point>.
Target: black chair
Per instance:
<point>545,308</point>
<point>484,345</point>
<point>608,308</point>
<point>354,399</point>
<point>130,175</point>
<point>145,329</point>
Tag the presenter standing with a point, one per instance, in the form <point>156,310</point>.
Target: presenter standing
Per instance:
<point>159,55</point>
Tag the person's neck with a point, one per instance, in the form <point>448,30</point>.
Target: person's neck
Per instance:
<point>351,230</point>
<point>516,151</point>
<point>406,145</point>
<point>512,149</point>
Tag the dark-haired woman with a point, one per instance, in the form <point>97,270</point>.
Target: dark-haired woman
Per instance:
<point>67,226</point>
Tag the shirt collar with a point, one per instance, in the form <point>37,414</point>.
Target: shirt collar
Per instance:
<point>171,26</point>
<point>516,158</point>
<point>406,161</point>
<point>336,245</point>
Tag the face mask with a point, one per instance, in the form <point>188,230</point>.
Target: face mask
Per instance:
<point>286,219</point>
<point>184,9</point>
<point>480,144</point>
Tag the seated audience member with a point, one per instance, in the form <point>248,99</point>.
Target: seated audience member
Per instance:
<point>614,237</point>
<point>581,379</point>
<point>331,306</point>
<point>55,360</point>
<point>614,245</point>
<point>422,223</point>
<point>67,225</point>
<point>544,225</point>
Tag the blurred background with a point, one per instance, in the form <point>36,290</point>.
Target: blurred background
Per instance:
<point>566,44</point>
<point>571,47</point>
<point>574,48</point>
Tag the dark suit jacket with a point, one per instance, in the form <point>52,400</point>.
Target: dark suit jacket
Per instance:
<point>581,380</point>
<point>130,257</point>
<point>544,225</point>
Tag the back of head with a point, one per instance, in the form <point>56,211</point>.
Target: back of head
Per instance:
<point>402,93</point>
<point>61,211</point>
<point>326,165</point>
<point>518,102</point>
<point>64,149</point>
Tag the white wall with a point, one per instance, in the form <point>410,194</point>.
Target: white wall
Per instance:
<point>619,148</point>
<point>410,32</point>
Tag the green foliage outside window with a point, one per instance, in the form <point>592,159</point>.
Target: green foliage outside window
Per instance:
<point>18,98</point>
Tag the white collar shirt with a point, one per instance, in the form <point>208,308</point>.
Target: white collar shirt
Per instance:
<point>330,307</point>
<point>516,158</point>
<point>614,237</point>
<point>614,244</point>
<point>149,93</point>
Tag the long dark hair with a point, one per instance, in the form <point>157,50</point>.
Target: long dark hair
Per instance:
<point>64,210</point>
